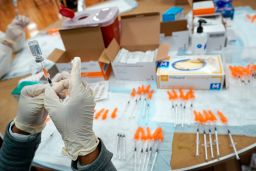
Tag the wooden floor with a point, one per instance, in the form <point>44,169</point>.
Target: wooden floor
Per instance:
<point>41,12</point>
<point>45,12</point>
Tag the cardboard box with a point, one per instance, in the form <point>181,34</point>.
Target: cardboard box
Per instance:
<point>167,28</point>
<point>181,2</point>
<point>88,44</point>
<point>139,32</point>
<point>179,32</point>
<point>198,72</point>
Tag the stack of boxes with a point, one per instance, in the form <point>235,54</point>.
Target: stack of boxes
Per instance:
<point>139,32</point>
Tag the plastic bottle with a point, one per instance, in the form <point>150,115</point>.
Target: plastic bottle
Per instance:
<point>199,40</point>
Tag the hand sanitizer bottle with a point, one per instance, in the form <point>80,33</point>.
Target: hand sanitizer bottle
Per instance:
<point>199,40</point>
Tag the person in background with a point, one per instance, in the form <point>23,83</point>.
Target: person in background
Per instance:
<point>72,115</point>
<point>13,41</point>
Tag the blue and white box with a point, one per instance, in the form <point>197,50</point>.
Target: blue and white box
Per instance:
<point>172,14</point>
<point>201,72</point>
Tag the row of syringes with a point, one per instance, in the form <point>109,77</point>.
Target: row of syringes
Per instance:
<point>103,114</point>
<point>244,74</point>
<point>207,119</point>
<point>146,148</point>
<point>181,105</point>
<point>139,101</point>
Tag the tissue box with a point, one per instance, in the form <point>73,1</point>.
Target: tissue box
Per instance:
<point>199,72</point>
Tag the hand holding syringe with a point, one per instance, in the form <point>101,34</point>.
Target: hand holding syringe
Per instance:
<point>37,53</point>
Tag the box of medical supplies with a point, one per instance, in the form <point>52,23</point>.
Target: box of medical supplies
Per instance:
<point>86,36</point>
<point>215,29</point>
<point>139,49</point>
<point>203,8</point>
<point>87,43</point>
<point>92,70</point>
<point>172,14</point>
<point>199,72</point>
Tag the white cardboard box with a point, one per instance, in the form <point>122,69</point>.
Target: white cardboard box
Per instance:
<point>139,32</point>
<point>198,72</point>
<point>90,71</point>
<point>139,71</point>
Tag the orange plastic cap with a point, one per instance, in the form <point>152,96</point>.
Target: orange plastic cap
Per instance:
<point>222,117</point>
<point>105,115</point>
<point>98,114</point>
<point>114,113</point>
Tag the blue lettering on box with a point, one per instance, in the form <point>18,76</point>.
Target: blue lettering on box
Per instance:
<point>215,86</point>
<point>163,64</point>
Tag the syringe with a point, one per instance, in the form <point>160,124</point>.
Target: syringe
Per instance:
<point>37,53</point>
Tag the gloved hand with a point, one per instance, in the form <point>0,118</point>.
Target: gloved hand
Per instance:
<point>5,59</point>
<point>31,114</point>
<point>73,116</point>
<point>62,88</point>
<point>15,32</point>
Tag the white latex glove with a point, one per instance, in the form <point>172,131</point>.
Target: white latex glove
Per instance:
<point>20,21</point>
<point>31,114</point>
<point>61,76</point>
<point>5,59</point>
<point>62,88</point>
<point>73,116</point>
<point>15,32</point>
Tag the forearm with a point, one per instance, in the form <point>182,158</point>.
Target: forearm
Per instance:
<point>16,153</point>
<point>99,160</point>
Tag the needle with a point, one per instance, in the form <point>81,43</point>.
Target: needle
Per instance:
<point>176,115</point>
<point>217,142</point>
<point>233,145</point>
<point>154,160</point>
<point>205,146</point>
<point>147,163</point>
<point>117,146</point>
<point>145,156</point>
<point>124,144</point>
<point>141,156</point>
<point>135,156</point>
<point>211,147</point>
<point>197,142</point>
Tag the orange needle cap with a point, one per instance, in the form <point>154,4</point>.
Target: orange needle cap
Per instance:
<point>113,114</point>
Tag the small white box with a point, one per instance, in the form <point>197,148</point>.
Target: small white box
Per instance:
<point>203,8</point>
<point>216,37</point>
<point>138,71</point>
<point>90,71</point>
<point>199,72</point>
